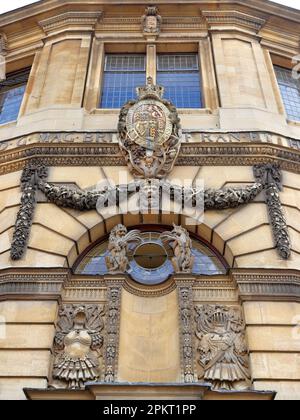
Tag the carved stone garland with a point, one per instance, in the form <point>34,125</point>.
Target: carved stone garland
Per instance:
<point>185,296</point>
<point>150,190</point>
<point>270,177</point>
<point>77,347</point>
<point>28,202</point>
<point>111,354</point>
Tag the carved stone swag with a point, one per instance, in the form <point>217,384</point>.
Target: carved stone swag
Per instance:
<point>34,176</point>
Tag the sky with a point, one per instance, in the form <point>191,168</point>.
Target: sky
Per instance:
<point>5,5</point>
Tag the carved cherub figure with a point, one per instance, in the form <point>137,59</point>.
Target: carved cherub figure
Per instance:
<point>179,239</point>
<point>117,260</point>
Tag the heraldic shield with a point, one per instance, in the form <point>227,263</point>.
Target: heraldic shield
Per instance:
<point>149,133</point>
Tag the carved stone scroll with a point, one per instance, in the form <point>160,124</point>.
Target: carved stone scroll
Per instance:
<point>270,177</point>
<point>111,354</point>
<point>185,296</point>
<point>78,345</point>
<point>223,357</point>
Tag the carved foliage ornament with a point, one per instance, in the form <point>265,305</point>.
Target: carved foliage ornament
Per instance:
<point>78,345</point>
<point>114,292</point>
<point>150,191</point>
<point>31,173</point>
<point>223,356</point>
<point>149,133</point>
<point>186,325</point>
<point>270,177</point>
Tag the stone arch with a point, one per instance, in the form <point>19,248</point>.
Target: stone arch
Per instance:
<point>101,229</point>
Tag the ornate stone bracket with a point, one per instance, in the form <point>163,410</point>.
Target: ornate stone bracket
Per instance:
<point>270,177</point>
<point>111,352</point>
<point>185,297</point>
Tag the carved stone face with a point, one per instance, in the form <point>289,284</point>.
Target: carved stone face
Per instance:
<point>119,231</point>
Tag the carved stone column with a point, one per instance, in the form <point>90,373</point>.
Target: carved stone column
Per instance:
<point>111,352</point>
<point>186,325</point>
<point>270,177</point>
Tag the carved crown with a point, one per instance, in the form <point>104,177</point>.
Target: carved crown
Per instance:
<point>150,90</point>
<point>151,11</point>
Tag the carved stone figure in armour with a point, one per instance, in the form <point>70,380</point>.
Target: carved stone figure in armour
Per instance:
<point>117,260</point>
<point>222,347</point>
<point>180,241</point>
<point>77,345</point>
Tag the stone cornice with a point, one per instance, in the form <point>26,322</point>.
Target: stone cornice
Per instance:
<point>228,19</point>
<point>133,24</point>
<point>258,9</point>
<point>191,154</point>
<point>32,283</point>
<point>73,20</point>
<point>265,285</point>
<point>60,284</point>
<point>31,10</point>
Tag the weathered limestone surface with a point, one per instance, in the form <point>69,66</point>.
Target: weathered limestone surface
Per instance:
<point>149,339</point>
<point>26,336</point>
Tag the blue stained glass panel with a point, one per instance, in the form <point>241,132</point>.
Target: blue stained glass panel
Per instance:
<point>10,103</point>
<point>122,75</point>
<point>183,89</point>
<point>118,88</point>
<point>180,76</point>
<point>290,91</point>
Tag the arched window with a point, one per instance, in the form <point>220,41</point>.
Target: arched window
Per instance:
<point>151,261</point>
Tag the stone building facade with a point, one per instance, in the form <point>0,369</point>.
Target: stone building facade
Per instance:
<point>191,282</point>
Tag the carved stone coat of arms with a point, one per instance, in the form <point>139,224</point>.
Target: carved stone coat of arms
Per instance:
<point>149,133</point>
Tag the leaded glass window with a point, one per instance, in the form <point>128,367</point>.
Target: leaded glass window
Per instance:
<point>11,95</point>
<point>122,75</point>
<point>290,91</point>
<point>180,75</point>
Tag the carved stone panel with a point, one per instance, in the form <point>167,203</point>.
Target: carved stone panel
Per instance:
<point>78,344</point>
<point>185,297</point>
<point>222,358</point>
<point>111,354</point>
